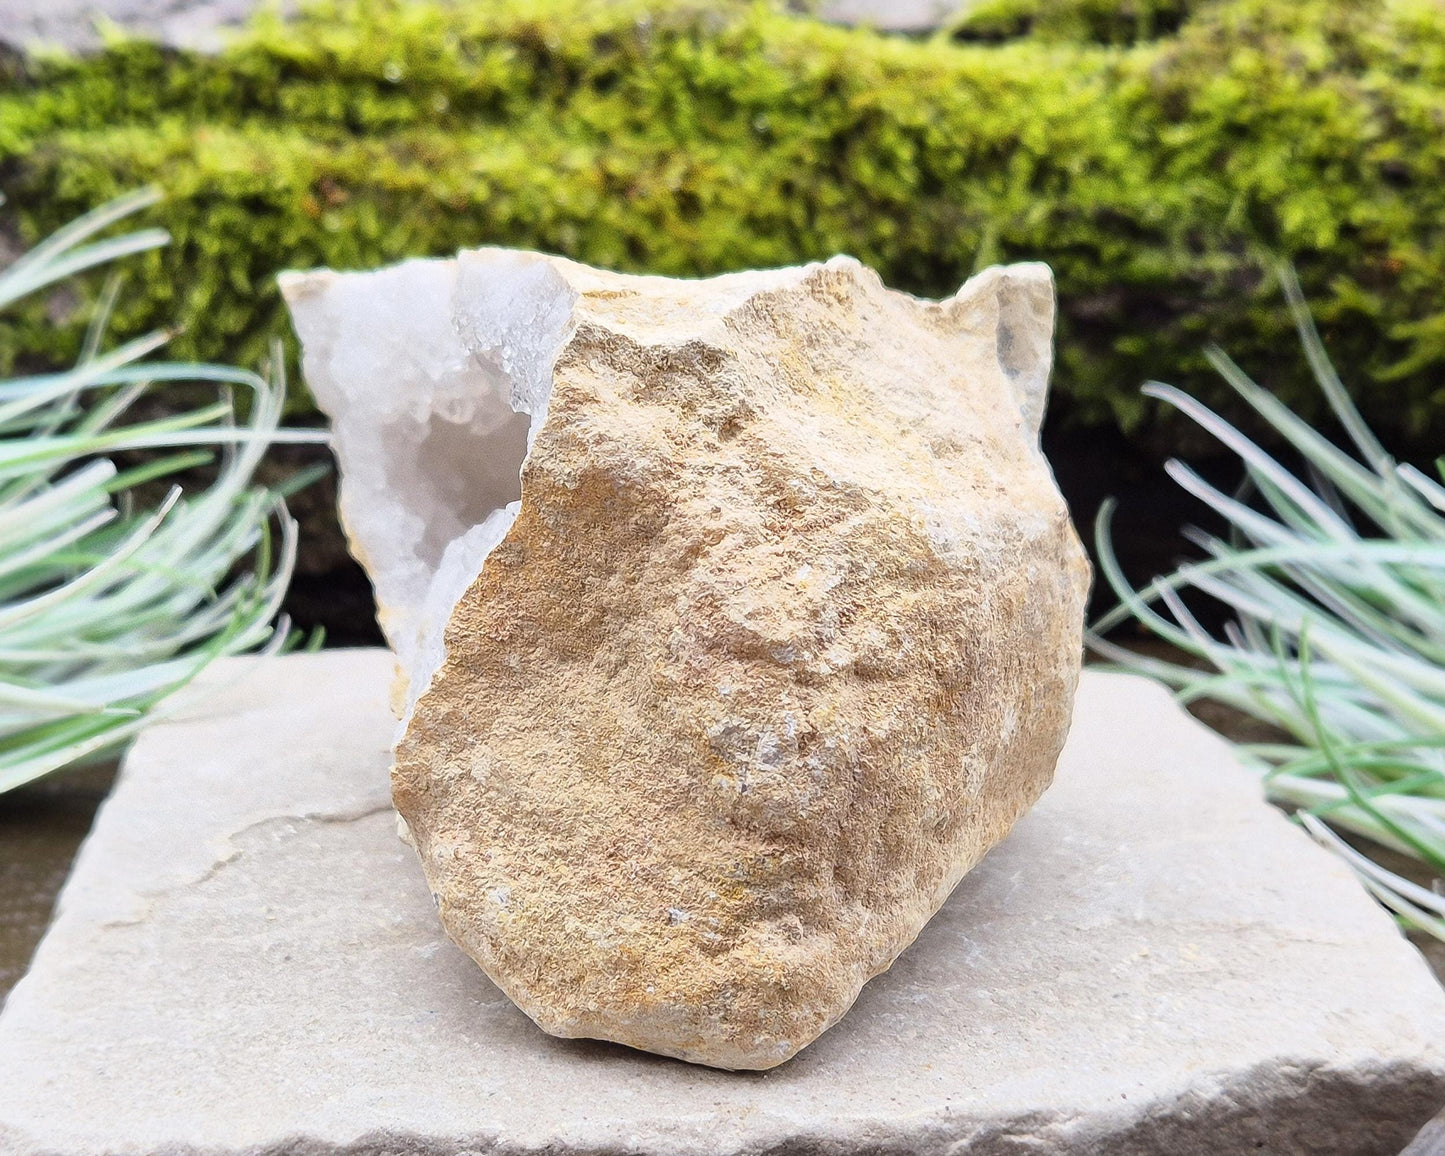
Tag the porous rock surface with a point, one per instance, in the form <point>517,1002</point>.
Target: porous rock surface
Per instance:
<point>778,635</point>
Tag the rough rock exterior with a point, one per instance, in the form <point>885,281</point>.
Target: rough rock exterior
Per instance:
<point>781,637</point>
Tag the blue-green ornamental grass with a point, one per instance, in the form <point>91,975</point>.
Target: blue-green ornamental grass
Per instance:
<point>1337,584</point>
<point>108,605</point>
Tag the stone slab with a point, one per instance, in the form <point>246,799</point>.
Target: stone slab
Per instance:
<point>246,960</point>
<point>1430,1141</point>
<point>204,24</point>
<point>914,16</point>
<point>76,24</point>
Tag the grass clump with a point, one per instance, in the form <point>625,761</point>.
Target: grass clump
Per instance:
<point>109,604</point>
<point>1157,164</point>
<point>1335,576</point>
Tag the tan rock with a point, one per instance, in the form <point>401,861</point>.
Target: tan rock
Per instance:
<point>781,637</point>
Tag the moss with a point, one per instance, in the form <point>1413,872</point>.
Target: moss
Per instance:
<point>1076,21</point>
<point>1158,165</point>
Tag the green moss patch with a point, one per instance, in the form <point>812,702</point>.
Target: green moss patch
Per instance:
<point>1158,155</point>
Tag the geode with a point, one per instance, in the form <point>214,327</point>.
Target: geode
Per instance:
<point>735,619</point>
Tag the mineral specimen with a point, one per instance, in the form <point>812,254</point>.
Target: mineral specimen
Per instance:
<point>735,619</point>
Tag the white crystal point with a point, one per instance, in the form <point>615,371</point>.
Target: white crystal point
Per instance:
<point>435,375</point>
<point>432,373</point>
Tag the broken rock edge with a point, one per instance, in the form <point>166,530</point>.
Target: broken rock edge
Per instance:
<point>466,555</point>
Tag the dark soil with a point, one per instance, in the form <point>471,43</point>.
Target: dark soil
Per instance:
<point>41,826</point>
